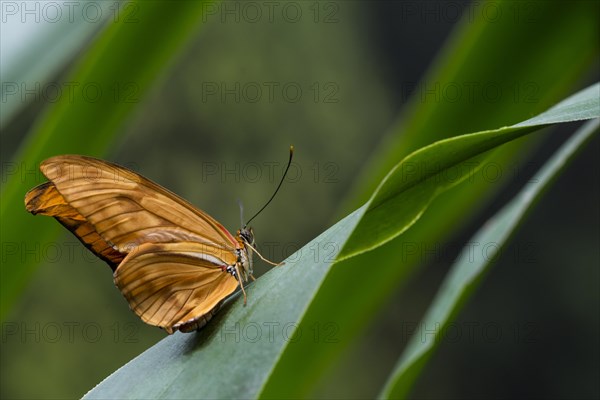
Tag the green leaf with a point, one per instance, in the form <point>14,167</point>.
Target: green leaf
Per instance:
<point>408,189</point>
<point>466,273</point>
<point>232,356</point>
<point>235,356</point>
<point>107,83</point>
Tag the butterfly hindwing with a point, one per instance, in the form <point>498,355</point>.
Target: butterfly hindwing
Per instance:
<point>171,284</point>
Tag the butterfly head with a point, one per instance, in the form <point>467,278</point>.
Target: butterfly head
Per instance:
<point>246,234</point>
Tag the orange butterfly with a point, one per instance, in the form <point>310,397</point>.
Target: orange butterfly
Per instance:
<point>174,263</point>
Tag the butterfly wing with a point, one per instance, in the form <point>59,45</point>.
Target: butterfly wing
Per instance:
<point>174,285</point>
<point>119,208</point>
<point>168,257</point>
<point>46,200</point>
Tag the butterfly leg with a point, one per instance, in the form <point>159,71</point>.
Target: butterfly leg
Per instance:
<point>239,277</point>
<point>262,258</point>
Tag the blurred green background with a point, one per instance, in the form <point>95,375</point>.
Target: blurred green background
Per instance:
<point>216,127</point>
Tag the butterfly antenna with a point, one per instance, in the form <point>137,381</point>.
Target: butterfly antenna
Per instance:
<point>278,186</point>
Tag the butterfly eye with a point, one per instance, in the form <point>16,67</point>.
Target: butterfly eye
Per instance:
<point>248,235</point>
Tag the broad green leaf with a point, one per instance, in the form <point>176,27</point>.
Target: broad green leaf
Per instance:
<point>408,189</point>
<point>107,83</point>
<point>235,356</point>
<point>466,273</point>
<point>232,357</point>
<point>531,74</point>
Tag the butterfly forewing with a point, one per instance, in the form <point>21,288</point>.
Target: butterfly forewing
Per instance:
<point>170,284</point>
<point>127,209</point>
<point>46,200</point>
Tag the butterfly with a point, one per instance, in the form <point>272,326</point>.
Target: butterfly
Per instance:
<point>173,263</point>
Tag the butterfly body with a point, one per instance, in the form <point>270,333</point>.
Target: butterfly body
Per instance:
<point>172,262</point>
